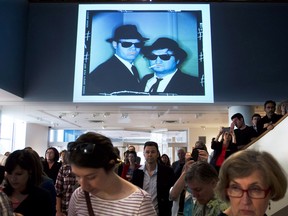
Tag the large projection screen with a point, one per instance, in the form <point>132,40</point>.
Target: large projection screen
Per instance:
<point>186,24</point>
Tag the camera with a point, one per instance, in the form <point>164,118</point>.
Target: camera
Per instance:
<point>195,154</point>
<point>226,129</point>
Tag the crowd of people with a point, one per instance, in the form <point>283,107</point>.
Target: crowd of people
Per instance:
<point>90,178</point>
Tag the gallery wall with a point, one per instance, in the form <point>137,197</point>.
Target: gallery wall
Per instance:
<point>249,45</point>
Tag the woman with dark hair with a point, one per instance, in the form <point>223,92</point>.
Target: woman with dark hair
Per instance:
<point>24,175</point>
<point>223,148</point>
<point>51,165</point>
<point>165,160</point>
<point>102,191</point>
<point>128,169</point>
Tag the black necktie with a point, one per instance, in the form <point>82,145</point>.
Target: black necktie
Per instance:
<point>154,87</point>
<point>135,73</point>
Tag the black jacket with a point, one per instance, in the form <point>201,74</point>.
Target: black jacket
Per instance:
<point>165,180</point>
<point>110,76</point>
<point>180,84</point>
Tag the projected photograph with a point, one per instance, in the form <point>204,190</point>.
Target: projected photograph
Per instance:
<point>143,53</point>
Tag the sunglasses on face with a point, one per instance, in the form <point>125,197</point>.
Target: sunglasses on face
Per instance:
<point>164,57</point>
<point>129,44</point>
<point>84,148</point>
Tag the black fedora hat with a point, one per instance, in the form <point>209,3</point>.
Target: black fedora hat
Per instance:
<point>165,43</point>
<point>127,32</point>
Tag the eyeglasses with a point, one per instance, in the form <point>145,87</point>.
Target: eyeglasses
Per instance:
<point>129,44</point>
<point>84,148</point>
<point>254,193</point>
<point>164,57</point>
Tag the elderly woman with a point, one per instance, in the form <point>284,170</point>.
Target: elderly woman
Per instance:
<point>249,179</point>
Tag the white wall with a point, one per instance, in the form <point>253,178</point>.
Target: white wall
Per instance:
<point>37,138</point>
<point>275,142</point>
<point>194,133</point>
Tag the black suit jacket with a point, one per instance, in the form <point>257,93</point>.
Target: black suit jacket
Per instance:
<point>165,180</point>
<point>180,84</point>
<point>110,76</point>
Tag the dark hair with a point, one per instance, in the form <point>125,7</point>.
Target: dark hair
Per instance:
<point>2,173</point>
<point>56,153</point>
<point>151,143</point>
<point>237,115</point>
<point>26,160</point>
<point>100,155</point>
<point>201,145</point>
<point>117,151</point>
<point>134,153</point>
<point>255,115</point>
<point>269,101</point>
<point>166,43</point>
<point>168,163</point>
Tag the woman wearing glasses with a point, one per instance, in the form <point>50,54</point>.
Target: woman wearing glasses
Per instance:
<point>165,57</point>
<point>249,180</point>
<point>102,191</point>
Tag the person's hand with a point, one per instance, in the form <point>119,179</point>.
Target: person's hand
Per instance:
<point>221,130</point>
<point>203,155</point>
<point>188,165</point>
<point>232,126</point>
<point>284,108</point>
<point>270,127</point>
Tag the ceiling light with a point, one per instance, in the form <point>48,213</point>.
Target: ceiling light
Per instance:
<point>95,115</point>
<point>124,115</point>
<point>106,114</point>
<point>62,115</point>
<point>74,114</point>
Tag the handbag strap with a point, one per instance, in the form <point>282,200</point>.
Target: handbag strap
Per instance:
<point>89,205</point>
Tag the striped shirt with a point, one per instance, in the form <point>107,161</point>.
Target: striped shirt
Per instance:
<point>137,203</point>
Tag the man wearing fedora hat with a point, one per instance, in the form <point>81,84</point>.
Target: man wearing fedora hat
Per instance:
<point>165,57</point>
<point>118,74</point>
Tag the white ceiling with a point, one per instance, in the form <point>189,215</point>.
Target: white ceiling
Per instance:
<point>115,117</point>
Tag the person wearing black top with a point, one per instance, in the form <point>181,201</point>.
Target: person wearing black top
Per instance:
<point>154,173</point>
<point>51,165</point>
<point>118,74</point>
<point>22,185</point>
<point>165,58</point>
<point>244,134</point>
<point>267,122</point>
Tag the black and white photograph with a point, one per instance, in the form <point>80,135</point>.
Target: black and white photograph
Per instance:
<point>156,53</point>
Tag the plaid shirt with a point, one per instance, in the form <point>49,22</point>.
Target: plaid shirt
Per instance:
<point>65,186</point>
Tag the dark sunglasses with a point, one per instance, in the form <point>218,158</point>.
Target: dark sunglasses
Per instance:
<point>129,44</point>
<point>164,57</point>
<point>84,148</point>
